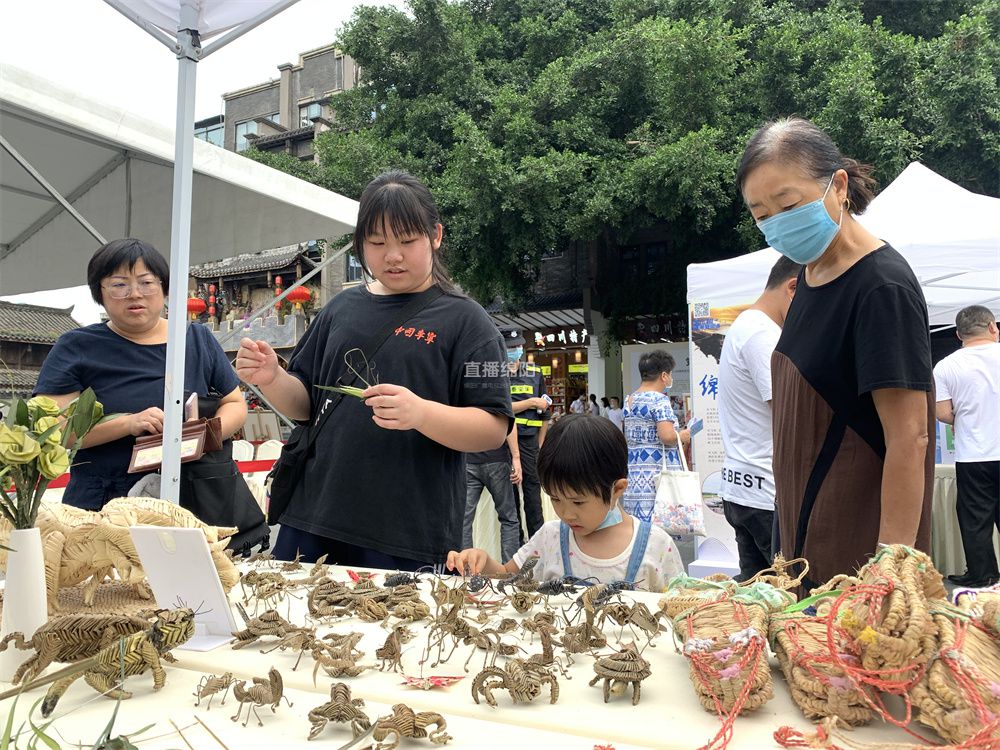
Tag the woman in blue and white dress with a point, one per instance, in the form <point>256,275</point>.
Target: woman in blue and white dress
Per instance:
<point>651,431</point>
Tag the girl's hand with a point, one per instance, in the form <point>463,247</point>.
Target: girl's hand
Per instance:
<point>472,559</point>
<point>395,407</point>
<point>256,362</point>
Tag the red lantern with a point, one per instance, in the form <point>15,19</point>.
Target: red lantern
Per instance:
<point>277,281</point>
<point>195,307</point>
<point>211,288</point>
<point>211,310</point>
<point>299,295</point>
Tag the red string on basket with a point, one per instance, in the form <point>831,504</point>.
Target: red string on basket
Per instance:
<point>703,664</point>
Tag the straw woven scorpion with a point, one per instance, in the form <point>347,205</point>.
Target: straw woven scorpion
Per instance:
<point>405,722</point>
<point>340,708</point>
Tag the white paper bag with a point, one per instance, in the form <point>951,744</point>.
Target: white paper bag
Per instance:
<point>678,509</point>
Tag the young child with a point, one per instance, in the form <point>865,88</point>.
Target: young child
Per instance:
<point>583,466</point>
<point>384,485</point>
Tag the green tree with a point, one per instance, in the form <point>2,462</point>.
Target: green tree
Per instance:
<point>539,123</point>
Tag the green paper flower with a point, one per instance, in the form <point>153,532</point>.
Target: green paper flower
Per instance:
<point>43,406</point>
<point>44,423</point>
<point>16,445</point>
<point>53,461</point>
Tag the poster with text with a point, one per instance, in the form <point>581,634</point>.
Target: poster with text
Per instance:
<point>708,326</point>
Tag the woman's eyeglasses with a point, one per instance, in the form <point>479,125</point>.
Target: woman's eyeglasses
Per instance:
<point>121,290</point>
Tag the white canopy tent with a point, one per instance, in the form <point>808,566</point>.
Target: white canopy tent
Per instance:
<point>949,235</point>
<point>180,25</point>
<point>116,169</point>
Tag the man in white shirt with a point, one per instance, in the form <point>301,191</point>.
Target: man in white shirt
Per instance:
<point>580,405</point>
<point>968,396</point>
<point>614,412</point>
<point>744,403</point>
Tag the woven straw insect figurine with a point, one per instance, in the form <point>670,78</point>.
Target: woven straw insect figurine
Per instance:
<point>391,652</point>
<point>522,679</point>
<point>263,692</point>
<point>269,623</point>
<point>619,670</point>
<point>129,656</point>
<point>211,685</point>
<point>405,722</point>
<point>70,638</point>
<point>341,708</point>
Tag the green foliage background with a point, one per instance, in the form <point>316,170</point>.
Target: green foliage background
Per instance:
<point>542,122</point>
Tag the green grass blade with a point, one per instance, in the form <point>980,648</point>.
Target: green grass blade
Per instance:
<point>346,390</point>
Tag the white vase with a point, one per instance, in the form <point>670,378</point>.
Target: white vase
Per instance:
<point>25,608</point>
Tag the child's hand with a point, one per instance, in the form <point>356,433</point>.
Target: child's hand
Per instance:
<point>472,559</point>
<point>395,407</point>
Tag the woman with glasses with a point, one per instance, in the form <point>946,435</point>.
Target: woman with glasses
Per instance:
<point>123,360</point>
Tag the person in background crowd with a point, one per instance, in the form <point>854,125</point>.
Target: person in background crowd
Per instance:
<point>745,417</point>
<point>498,471</point>
<point>852,388</point>
<point>595,408</point>
<point>614,412</point>
<point>583,466</point>
<point>650,428</point>
<point>384,485</point>
<point>124,360</point>
<point>605,404</point>
<point>527,395</point>
<point>968,396</point>
<point>579,405</point>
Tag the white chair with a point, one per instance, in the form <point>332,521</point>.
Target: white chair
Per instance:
<point>242,450</point>
<point>269,449</point>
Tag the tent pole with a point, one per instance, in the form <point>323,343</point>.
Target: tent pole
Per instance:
<point>180,254</point>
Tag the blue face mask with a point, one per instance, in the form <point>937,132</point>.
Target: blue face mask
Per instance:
<point>613,518</point>
<point>514,354</point>
<point>804,233</point>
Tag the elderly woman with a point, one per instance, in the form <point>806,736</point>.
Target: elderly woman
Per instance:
<point>651,432</point>
<point>853,399</point>
<point>123,360</point>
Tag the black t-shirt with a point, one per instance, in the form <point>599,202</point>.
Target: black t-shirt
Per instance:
<point>390,490</point>
<point>866,330</point>
<point>126,378</point>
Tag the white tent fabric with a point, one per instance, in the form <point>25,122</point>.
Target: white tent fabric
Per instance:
<point>117,170</point>
<point>214,16</point>
<point>949,235</point>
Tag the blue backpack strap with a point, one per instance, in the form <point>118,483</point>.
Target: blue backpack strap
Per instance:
<point>638,551</point>
<point>564,548</point>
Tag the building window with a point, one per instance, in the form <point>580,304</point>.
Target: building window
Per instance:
<point>338,72</point>
<point>552,253</point>
<point>307,112</point>
<point>249,127</point>
<point>211,133</point>
<point>656,256</point>
<point>629,260</point>
<point>353,272</point>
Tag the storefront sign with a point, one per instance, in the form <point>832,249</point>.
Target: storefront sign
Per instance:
<point>579,368</point>
<point>564,336</point>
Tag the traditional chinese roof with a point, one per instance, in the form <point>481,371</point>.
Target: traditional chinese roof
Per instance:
<point>238,265</point>
<point>34,324</point>
<point>299,134</point>
<point>20,383</point>
<point>564,309</point>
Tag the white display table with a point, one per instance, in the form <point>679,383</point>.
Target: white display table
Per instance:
<point>668,716</point>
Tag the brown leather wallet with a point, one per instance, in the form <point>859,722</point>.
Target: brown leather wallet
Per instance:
<point>198,437</point>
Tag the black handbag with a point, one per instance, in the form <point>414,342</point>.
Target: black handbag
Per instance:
<point>287,472</point>
<point>215,491</point>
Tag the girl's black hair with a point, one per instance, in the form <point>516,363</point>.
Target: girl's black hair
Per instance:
<point>399,199</point>
<point>800,142</point>
<point>125,252</point>
<point>651,364</point>
<point>583,454</point>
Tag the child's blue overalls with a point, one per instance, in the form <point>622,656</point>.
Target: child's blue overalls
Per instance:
<point>634,561</point>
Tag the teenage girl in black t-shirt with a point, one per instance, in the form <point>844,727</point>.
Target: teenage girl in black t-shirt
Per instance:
<point>386,486</point>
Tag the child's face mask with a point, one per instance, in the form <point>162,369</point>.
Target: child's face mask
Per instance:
<point>613,518</point>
